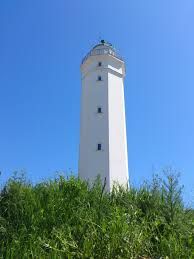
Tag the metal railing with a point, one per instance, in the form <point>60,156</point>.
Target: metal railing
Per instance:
<point>95,52</point>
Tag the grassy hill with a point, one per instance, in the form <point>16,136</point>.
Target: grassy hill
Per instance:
<point>64,218</point>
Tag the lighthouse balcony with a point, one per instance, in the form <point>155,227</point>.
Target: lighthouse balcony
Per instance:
<point>102,51</point>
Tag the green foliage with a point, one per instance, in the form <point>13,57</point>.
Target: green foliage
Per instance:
<point>68,219</point>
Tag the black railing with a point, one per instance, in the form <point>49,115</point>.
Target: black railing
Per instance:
<point>95,52</point>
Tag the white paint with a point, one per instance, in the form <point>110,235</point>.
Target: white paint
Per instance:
<point>107,128</point>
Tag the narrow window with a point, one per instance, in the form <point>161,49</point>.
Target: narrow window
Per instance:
<point>99,110</point>
<point>99,64</point>
<point>99,78</point>
<point>99,147</point>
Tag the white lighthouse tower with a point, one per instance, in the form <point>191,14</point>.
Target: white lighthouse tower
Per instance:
<point>103,143</point>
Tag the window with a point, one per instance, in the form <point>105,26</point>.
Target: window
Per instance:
<point>99,147</point>
<point>99,78</point>
<point>99,64</point>
<point>99,110</point>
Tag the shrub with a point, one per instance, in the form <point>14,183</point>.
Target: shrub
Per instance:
<point>65,218</point>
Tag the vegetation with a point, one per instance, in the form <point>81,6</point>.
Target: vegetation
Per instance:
<point>65,218</point>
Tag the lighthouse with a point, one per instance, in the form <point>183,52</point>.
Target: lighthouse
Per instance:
<point>103,140</point>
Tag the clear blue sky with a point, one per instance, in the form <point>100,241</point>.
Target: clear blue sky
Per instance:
<point>41,47</point>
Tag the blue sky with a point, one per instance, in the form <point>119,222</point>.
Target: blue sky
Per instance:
<point>41,47</point>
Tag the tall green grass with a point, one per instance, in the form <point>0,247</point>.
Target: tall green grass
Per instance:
<point>68,219</point>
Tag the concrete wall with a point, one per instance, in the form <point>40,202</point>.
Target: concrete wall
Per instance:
<point>94,126</point>
<point>118,158</point>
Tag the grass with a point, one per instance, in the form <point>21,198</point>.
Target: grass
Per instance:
<point>65,218</point>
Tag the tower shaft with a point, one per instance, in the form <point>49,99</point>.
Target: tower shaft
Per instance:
<point>103,143</point>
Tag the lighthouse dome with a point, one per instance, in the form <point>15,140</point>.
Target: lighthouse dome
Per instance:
<point>102,48</point>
